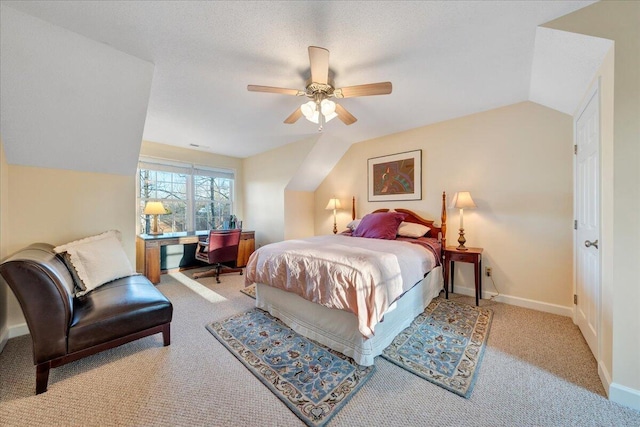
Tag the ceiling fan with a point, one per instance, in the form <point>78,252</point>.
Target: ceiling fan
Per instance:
<point>320,109</point>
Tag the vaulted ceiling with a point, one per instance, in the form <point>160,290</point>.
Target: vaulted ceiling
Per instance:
<point>445,60</point>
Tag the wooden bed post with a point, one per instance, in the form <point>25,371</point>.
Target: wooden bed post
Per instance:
<point>443,222</point>
<point>353,207</point>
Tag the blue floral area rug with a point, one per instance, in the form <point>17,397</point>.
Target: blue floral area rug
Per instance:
<point>250,290</point>
<point>313,381</point>
<point>444,345</point>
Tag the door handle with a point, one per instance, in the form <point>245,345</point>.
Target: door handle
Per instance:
<point>589,244</point>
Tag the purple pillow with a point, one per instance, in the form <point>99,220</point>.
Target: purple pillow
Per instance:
<point>381,225</point>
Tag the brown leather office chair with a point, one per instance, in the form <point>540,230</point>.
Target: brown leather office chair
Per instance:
<point>220,250</point>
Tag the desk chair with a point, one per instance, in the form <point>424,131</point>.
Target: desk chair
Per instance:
<point>220,248</point>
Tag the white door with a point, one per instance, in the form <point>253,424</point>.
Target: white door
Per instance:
<point>587,211</point>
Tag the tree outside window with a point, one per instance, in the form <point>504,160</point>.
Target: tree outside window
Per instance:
<point>212,201</point>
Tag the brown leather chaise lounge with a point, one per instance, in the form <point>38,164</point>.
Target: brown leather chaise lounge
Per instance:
<point>65,328</point>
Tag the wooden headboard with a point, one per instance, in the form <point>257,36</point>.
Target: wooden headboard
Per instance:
<point>436,231</point>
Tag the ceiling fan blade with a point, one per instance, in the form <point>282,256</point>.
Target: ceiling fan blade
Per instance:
<point>383,88</point>
<point>293,117</point>
<point>319,60</point>
<point>346,117</point>
<point>271,89</point>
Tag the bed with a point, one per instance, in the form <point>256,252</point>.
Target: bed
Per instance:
<point>351,293</point>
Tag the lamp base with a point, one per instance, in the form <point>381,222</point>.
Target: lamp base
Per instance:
<point>461,241</point>
<point>154,231</point>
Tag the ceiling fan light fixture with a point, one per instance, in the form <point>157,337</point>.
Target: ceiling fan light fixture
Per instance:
<point>315,117</point>
<point>311,113</point>
<point>319,88</point>
<point>308,109</point>
<point>327,107</point>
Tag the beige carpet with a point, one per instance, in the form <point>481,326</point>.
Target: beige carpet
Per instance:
<point>537,371</point>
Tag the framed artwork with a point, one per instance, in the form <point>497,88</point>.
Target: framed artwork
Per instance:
<point>395,177</point>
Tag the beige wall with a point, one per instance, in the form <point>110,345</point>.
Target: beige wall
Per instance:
<point>168,152</point>
<point>298,214</point>
<point>619,21</point>
<point>58,206</point>
<point>517,163</point>
<point>266,177</point>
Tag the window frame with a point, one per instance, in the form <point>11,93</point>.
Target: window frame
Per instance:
<point>191,170</point>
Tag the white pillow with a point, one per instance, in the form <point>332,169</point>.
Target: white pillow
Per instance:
<point>411,229</point>
<point>353,224</point>
<point>97,260</point>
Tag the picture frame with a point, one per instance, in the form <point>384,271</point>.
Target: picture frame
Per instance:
<point>395,177</point>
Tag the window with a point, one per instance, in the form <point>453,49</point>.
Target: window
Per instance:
<point>195,197</point>
<point>212,201</point>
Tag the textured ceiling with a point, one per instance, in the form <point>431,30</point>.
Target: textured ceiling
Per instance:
<point>445,60</point>
<point>563,66</point>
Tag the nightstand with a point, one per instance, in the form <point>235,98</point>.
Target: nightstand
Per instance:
<point>471,255</point>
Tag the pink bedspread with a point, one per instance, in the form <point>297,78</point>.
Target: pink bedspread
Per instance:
<point>362,276</point>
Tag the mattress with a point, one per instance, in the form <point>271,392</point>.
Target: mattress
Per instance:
<point>338,329</point>
<point>362,276</point>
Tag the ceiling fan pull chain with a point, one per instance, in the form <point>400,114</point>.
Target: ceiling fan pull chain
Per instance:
<point>319,110</point>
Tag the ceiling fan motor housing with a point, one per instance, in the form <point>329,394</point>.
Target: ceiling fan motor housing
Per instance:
<point>319,90</point>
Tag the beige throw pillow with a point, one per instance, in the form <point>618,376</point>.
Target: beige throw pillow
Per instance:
<point>410,229</point>
<point>97,260</point>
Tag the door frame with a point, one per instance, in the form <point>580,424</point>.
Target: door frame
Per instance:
<point>594,89</point>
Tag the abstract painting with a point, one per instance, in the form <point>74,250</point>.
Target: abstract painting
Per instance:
<point>395,177</point>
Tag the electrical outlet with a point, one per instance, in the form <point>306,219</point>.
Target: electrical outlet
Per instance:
<point>487,271</point>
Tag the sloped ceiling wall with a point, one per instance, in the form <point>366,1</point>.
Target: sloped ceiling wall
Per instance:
<point>564,64</point>
<point>326,152</point>
<point>69,102</point>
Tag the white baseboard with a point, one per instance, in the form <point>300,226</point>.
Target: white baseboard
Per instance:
<point>18,330</point>
<point>520,302</point>
<point>11,332</point>
<point>605,377</point>
<point>4,337</point>
<point>625,396</point>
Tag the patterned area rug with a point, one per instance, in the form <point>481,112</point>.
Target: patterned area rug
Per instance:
<point>444,345</point>
<point>249,290</point>
<point>313,381</point>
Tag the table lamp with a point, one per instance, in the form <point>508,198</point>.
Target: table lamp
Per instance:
<point>462,200</point>
<point>155,209</point>
<point>334,204</point>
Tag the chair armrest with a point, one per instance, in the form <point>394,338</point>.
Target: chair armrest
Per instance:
<point>40,282</point>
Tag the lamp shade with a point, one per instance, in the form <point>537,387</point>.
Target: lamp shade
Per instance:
<point>312,110</point>
<point>307,109</point>
<point>333,204</point>
<point>154,208</point>
<point>462,200</point>
<point>314,118</point>
<point>327,107</point>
